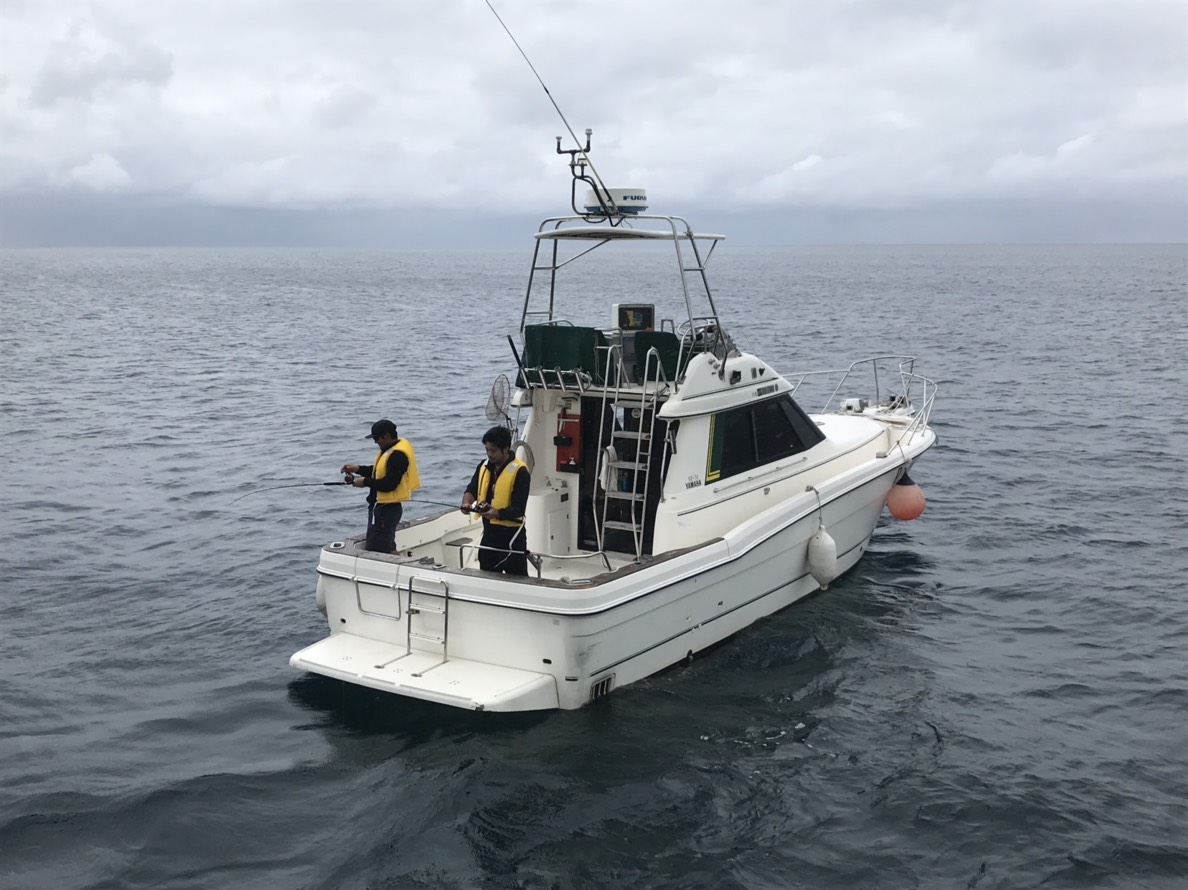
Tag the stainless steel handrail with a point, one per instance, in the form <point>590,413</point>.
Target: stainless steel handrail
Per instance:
<point>909,383</point>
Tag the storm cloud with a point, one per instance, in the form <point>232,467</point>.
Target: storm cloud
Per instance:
<point>876,120</point>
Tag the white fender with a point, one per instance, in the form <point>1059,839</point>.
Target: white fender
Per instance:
<point>822,557</point>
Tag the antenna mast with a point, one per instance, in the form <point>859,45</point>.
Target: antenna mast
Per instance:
<point>579,158</point>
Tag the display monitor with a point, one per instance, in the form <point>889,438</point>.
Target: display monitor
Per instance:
<point>632,317</point>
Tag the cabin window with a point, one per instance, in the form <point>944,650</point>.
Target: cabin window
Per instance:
<point>744,438</point>
<point>738,442</point>
<point>776,438</point>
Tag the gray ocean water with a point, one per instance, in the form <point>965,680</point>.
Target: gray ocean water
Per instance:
<point>995,697</point>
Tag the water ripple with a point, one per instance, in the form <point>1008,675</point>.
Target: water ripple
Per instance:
<point>993,698</point>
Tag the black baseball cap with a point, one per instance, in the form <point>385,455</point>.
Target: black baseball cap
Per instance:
<point>380,427</point>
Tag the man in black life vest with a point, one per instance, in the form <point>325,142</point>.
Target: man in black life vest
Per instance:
<point>498,492</point>
<point>390,481</point>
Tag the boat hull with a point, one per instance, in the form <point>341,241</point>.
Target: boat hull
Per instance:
<point>471,639</point>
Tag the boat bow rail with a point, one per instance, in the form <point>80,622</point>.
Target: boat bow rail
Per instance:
<point>900,396</point>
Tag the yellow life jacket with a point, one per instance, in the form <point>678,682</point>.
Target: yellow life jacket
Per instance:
<point>503,489</point>
<point>411,481</point>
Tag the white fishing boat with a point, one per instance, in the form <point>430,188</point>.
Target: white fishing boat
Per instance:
<point>679,491</point>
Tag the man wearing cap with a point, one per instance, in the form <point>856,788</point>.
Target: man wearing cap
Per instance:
<point>390,481</point>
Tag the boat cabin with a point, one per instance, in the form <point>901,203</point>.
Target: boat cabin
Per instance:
<point>644,414</point>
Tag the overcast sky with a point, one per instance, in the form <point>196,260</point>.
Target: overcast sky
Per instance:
<point>311,121</point>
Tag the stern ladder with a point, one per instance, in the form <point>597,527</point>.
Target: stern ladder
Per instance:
<point>430,629</point>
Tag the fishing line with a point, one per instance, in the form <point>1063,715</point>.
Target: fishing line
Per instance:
<point>278,487</point>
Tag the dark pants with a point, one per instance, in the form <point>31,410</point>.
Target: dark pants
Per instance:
<point>502,538</point>
<point>382,520</point>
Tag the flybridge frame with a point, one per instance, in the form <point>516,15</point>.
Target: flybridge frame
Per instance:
<point>615,223</point>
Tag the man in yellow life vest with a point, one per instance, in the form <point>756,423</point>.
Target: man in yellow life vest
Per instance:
<point>390,481</point>
<point>498,492</point>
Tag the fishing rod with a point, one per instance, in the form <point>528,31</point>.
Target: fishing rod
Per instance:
<point>319,484</point>
<point>441,504</point>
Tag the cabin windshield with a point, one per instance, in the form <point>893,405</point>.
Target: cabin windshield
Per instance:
<point>750,436</point>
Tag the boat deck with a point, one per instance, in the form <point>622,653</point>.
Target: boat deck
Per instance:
<point>458,554</point>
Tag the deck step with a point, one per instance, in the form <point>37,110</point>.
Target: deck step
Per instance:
<point>432,638</point>
<point>458,682</point>
<point>621,526</point>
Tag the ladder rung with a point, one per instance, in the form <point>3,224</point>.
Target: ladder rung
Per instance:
<point>627,465</point>
<point>631,434</point>
<point>625,495</point>
<point>623,526</point>
<point>428,637</point>
<point>419,603</point>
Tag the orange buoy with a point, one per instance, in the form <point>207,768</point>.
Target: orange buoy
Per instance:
<point>905,500</point>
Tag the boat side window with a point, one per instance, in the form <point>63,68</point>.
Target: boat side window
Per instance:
<point>762,433</point>
<point>738,441</point>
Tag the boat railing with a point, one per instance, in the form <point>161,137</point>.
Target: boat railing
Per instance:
<point>925,391</point>
<point>572,380</point>
<point>547,319</point>
<point>536,560</point>
<point>610,356</point>
<point>703,333</point>
<point>912,395</point>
